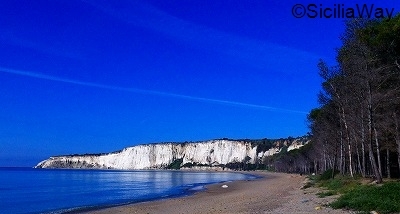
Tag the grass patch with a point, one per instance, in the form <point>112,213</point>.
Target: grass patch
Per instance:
<point>357,195</point>
<point>327,193</point>
<point>333,184</point>
<point>341,184</point>
<point>384,198</point>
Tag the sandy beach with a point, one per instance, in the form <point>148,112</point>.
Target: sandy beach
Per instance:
<point>274,193</point>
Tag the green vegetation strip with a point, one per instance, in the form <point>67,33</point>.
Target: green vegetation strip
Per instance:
<point>383,198</point>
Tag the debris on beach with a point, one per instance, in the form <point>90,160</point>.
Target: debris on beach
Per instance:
<point>224,186</point>
<point>304,201</point>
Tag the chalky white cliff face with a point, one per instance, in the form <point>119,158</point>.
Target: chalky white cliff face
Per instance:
<point>162,155</point>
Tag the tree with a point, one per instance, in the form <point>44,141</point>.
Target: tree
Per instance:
<point>359,113</point>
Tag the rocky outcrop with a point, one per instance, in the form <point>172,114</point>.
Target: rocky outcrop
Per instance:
<point>214,153</point>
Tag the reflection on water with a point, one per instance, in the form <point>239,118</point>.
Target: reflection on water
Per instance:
<point>26,190</point>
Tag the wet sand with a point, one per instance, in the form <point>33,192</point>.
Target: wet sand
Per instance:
<point>274,193</point>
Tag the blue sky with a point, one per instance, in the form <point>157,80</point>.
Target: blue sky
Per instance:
<point>98,76</point>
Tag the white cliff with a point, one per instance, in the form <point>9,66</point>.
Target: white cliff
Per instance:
<point>162,155</point>
<point>296,144</point>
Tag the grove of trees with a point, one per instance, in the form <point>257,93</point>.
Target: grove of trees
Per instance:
<point>356,129</point>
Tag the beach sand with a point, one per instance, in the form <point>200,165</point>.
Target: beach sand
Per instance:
<point>274,193</point>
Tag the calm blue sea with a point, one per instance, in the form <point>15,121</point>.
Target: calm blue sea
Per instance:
<point>27,190</point>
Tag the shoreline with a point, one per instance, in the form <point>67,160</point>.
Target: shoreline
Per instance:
<point>124,208</point>
<point>189,192</point>
<point>269,193</point>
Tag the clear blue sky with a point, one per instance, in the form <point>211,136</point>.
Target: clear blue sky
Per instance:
<point>98,76</point>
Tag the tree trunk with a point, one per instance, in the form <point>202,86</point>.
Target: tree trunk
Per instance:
<point>397,136</point>
<point>341,162</point>
<point>347,132</point>
<point>315,167</point>
<point>371,139</point>
<point>364,160</point>
<point>397,130</point>
<point>388,163</point>
<point>333,168</point>
<point>346,128</point>
<point>363,172</point>
<point>350,161</point>
<point>359,161</point>
<point>325,161</point>
<point>378,154</point>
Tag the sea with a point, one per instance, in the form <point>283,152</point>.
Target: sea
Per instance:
<point>29,190</point>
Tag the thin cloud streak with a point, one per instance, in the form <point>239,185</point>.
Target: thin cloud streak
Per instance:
<point>144,91</point>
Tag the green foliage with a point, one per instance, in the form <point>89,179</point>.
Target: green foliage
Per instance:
<point>188,165</point>
<point>327,193</point>
<point>263,145</point>
<point>328,174</point>
<point>313,178</point>
<point>232,166</point>
<point>383,36</point>
<point>283,150</point>
<point>333,184</point>
<point>384,199</point>
<point>176,164</point>
<point>340,184</point>
<point>314,114</point>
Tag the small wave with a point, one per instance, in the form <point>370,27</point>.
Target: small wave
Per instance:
<point>197,188</point>
<point>62,211</point>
